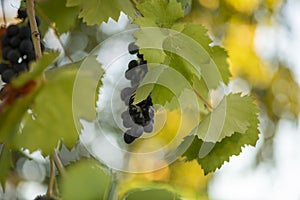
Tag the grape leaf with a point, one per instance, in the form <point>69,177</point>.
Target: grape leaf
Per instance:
<point>96,11</point>
<point>56,11</point>
<point>159,13</point>
<point>211,156</point>
<point>52,105</point>
<point>5,164</point>
<point>59,103</point>
<point>231,115</point>
<point>86,179</point>
<point>193,46</point>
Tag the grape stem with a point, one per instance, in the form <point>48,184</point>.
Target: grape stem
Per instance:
<point>57,35</point>
<point>206,103</point>
<point>34,29</point>
<point>52,179</point>
<point>58,163</point>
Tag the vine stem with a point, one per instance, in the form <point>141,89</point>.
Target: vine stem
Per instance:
<point>57,35</point>
<point>58,163</point>
<point>208,105</point>
<point>34,29</point>
<point>3,12</point>
<point>52,179</point>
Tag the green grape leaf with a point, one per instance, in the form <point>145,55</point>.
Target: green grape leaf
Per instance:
<point>5,164</point>
<point>86,179</point>
<point>67,96</point>
<point>211,156</point>
<point>11,116</point>
<point>96,11</point>
<point>149,194</point>
<point>57,13</point>
<point>230,116</point>
<point>164,82</point>
<point>193,46</point>
<point>50,117</point>
<point>159,13</point>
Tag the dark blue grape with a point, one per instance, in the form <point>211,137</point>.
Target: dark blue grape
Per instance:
<point>25,32</point>
<point>5,52</point>
<point>20,67</point>
<point>26,46</point>
<point>8,75</point>
<point>15,41</point>
<point>3,67</point>
<point>5,41</point>
<point>129,138</point>
<point>22,14</point>
<point>13,56</point>
<point>133,48</point>
<point>12,30</point>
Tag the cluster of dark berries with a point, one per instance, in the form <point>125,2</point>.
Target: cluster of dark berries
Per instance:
<point>42,198</point>
<point>137,118</point>
<point>17,49</point>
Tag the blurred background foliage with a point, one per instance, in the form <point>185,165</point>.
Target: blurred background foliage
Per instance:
<point>232,24</point>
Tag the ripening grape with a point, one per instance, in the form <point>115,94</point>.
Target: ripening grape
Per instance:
<point>26,46</point>
<point>133,48</point>
<point>8,75</point>
<point>13,55</point>
<point>12,30</point>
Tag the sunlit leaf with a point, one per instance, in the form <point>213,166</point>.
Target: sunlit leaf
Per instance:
<point>86,179</point>
<point>96,11</point>
<point>57,13</point>
<point>5,164</point>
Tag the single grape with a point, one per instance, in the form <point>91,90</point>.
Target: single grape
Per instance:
<point>128,122</point>
<point>25,32</point>
<point>129,138</point>
<point>140,56</point>
<point>132,64</point>
<point>5,52</point>
<point>26,46</point>
<point>8,75</point>
<point>20,67</point>
<point>3,67</point>
<point>126,92</point>
<point>5,41</point>
<point>15,41</point>
<point>148,128</point>
<point>13,56</point>
<point>136,131</point>
<point>12,30</point>
<point>22,14</point>
<point>30,56</point>
<point>133,48</point>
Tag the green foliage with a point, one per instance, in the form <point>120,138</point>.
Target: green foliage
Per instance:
<point>52,104</point>
<point>86,179</point>
<point>159,13</point>
<point>96,11</point>
<point>5,164</point>
<point>212,155</point>
<point>55,11</point>
<point>227,118</point>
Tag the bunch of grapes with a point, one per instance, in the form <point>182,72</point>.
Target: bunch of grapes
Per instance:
<point>17,49</point>
<point>137,118</point>
<point>42,198</point>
